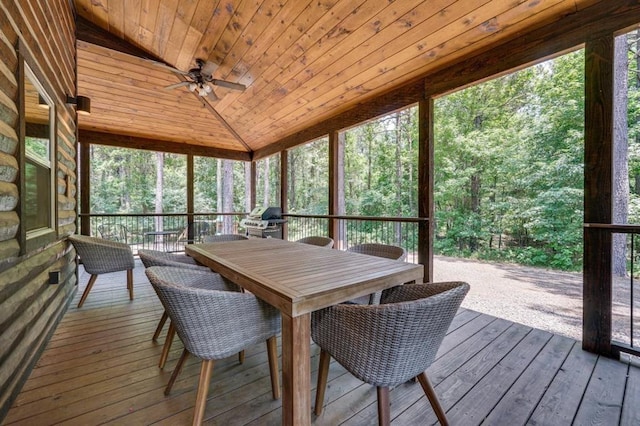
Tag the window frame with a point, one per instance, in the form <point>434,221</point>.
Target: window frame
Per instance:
<point>40,237</point>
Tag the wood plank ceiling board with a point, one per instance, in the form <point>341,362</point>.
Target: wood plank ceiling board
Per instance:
<point>127,97</point>
<point>303,61</point>
<point>370,72</point>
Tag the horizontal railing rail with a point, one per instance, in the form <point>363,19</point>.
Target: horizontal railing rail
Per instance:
<point>165,231</point>
<point>625,301</point>
<point>353,230</point>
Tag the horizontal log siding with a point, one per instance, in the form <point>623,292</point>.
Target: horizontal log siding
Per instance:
<point>30,307</point>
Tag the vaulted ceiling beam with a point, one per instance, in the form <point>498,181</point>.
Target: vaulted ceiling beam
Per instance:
<point>89,32</point>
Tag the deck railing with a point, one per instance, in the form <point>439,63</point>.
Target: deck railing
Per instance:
<point>352,230</point>
<point>624,309</point>
<point>169,231</point>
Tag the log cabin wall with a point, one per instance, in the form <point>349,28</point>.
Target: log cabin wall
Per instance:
<point>30,307</point>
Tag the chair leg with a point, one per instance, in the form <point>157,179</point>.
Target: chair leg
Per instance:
<point>384,412</point>
<point>241,357</point>
<point>272,352</point>
<point>433,398</point>
<point>130,283</point>
<point>203,388</point>
<point>167,345</point>
<point>160,326</point>
<point>176,371</point>
<point>92,280</point>
<point>323,374</point>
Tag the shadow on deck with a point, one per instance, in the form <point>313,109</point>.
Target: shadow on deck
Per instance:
<point>101,367</point>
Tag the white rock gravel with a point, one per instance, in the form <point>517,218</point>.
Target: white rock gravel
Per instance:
<point>542,298</point>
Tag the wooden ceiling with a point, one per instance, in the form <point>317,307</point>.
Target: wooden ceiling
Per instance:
<point>303,61</point>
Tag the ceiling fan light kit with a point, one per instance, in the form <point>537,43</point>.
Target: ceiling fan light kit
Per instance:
<point>200,79</point>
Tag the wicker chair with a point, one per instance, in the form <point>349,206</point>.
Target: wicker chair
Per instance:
<point>214,325</point>
<point>100,256</point>
<point>113,232</point>
<point>317,241</point>
<point>388,344</point>
<point>194,232</point>
<point>161,258</point>
<point>222,237</point>
<point>210,280</point>
<point>379,250</point>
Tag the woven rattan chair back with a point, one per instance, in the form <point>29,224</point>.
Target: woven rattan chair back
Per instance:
<point>206,278</point>
<point>160,258</point>
<point>388,344</point>
<point>100,256</point>
<point>215,324</point>
<point>380,250</point>
<point>113,232</point>
<point>317,241</point>
<point>222,237</point>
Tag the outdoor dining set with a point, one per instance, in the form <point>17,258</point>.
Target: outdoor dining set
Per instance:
<point>365,307</point>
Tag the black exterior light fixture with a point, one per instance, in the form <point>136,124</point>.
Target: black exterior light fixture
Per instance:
<point>82,103</point>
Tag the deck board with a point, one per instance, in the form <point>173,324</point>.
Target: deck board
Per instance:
<point>101,367</point>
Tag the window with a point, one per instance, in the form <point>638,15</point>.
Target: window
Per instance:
<point>38,172</point>
<point>37,183</point>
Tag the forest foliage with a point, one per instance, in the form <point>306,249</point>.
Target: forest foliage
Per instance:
<point>509,169</point>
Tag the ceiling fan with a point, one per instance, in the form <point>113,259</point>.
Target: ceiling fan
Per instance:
<point>200,79</point>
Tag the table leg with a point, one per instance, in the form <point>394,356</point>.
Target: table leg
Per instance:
<point>296,370</point>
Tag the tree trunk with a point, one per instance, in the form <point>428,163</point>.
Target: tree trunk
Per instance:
<point>159,189</point>
<point>247,186</point>
<point>218,226</point>
<point>342,227</point>
<point>475,207</point>
<point>369,162</point>
<point>620,152</point>
<point>227,196</point>
<point>292,181</point>
<point>265,200</point>
<point>398,182</point>
<point>636,34</point>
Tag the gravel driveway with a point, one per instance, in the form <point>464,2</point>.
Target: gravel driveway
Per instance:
<point>541,298</point>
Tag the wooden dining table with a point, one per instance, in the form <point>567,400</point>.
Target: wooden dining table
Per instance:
<point>298,279</point>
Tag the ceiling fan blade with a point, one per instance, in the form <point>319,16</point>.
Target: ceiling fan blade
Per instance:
<point>209,68</point>
<point>212,96</point>
<point>228,84</point>
<point>176,85</point>
<point>169,67</point>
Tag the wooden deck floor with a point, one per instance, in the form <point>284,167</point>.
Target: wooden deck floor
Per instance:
<point>101,367</point>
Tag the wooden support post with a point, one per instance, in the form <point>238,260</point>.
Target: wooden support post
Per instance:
<point>190,195</point>
<point>254,177</point>
<point>425,186</point>
<point>85,187</point>
<point>336,185</point>
<point>598,183</point>
<point>284,189</point>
